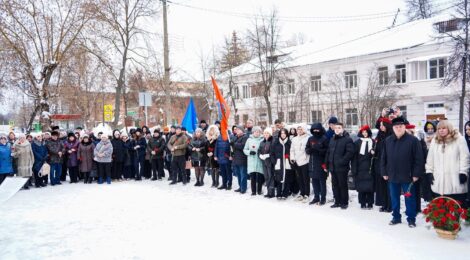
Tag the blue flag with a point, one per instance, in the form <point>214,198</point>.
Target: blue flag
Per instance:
<point>190,117</point>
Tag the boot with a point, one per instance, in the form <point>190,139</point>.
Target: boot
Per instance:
<point>108,180</point>
<point>85,179</point>
<point>197,183</point>
<point>314,201</point>
<point>100,180</point>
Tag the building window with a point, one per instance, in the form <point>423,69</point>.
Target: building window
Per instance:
<point>280,116</point>
<point>403,111</point>
<point>237,119</point>
<point>292,117</point>
<point>383,76</point>
<point>316,116</point>
<point>350,78</point>
<point>291,87</point>
<point>280,88</point>
<point>351,117</point>
<point>245,117</point>
<point>400,72</point>
<point>236,92</point>
<point>315,83</point>
<point>419,70</point>
<point>437,68</point>
<point>246,91</point>
<point>437,105</point>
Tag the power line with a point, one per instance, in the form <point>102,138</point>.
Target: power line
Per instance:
<point>300,19</point>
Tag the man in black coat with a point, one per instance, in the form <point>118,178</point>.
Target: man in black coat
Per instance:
<point>402,162</point>
<point>316,147</point>
<point>338,157</point>
<point>119,155</point>
<point>239,163</point>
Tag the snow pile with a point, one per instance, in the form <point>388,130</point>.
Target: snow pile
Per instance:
<point>152,220</point>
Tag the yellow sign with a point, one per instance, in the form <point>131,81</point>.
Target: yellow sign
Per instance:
<point>108,113</point>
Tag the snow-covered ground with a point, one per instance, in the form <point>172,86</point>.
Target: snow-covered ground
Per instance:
<point>152,220</point>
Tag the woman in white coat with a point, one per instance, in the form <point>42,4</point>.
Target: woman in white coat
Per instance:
<point>447,163</point>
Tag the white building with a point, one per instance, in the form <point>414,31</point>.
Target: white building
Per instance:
<point>403,66</point>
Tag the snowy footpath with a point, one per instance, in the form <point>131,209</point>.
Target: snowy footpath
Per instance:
<point>152,220</point>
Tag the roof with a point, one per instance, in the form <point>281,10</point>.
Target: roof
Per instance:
<point>404,36</point>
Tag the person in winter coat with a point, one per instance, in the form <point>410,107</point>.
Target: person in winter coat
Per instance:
<point>331,127</point>
<point>11,141</point>
<point>361,167</point>
<point>128,169</point>
<point>24,154</point>
<point>239,163</point>
<point>147,163</point>
<point>222,155</point>
<point>40,157</point>
<point>6,166</point>
<point>267,171</point>
<point>168,156</point>
<point>283,168</point>
<point>71,148</point>
<point>382,195</point>
<point>178,144</point>
<point>254,159</point>
<point>212,165</point>
<point>85,156</point>
<point>55,151</point>
<point>65,160</point>
<point>402,163</point>
<point>316,148</point>
<point>448,179</point>
<point>119,155</point>
<point>187,170</point>
<point>156,148</point>
<point>139,145</point>
<point>467,139</point>
<point>292,133</point>
<point>103,155</point>
<point>198,148</point>
<point>338,157</point>
<point>300,158</point>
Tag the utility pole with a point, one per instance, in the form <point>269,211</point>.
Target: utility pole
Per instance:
<point>464,73</point>
<point>166,63</point>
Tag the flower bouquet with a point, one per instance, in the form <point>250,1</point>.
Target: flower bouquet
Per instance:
<point>445,214</point>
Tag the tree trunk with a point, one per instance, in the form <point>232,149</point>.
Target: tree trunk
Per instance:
<point>268,106</point>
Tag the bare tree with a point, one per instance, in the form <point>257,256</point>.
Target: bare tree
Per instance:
<point>117,30</point>
<point>456,31</point>
<point>38,36</point>
<point>419,9</point>
<point>381,92</point>
<point>264,40</point>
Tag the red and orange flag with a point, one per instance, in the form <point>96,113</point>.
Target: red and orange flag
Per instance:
<point>224,110</point>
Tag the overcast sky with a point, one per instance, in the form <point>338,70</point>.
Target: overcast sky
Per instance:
<point>196,26</point>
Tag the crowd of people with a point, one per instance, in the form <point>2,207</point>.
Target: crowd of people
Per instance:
<point>288,162</point>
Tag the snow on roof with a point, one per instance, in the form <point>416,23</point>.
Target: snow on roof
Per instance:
<point>406,35</point>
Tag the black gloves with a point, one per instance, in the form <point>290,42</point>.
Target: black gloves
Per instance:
<point>252,153</point>
<point>430,177</point>
<point>462,178</point>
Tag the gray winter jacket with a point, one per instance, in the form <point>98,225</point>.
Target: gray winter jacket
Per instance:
<point>106,150</point>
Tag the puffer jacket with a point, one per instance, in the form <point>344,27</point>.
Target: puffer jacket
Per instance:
<point>6,166</point>
<point>222,151</point>
<point>297,150</point>
<point>340,153</point>
<point>239,157</point>
<point>201,155</point>
<point>316,148</point>
<point>40,154</point>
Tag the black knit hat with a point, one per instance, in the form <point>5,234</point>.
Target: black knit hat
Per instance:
<point>70,134</point>
<point>399,121</point>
